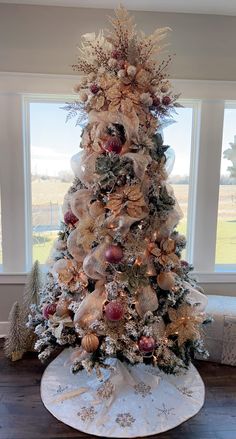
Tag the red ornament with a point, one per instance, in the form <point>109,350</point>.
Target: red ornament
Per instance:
<point>113,145</point>
<point>114,311</point>
<point>70,218</point>
<point>146,344</point>
<point>49,310</point>
<point>156,101</point>
<point>94,89</point>
<point>114,254</point>
<point>184,263</point>
<point>121,64</point>
<point>166,100</point>
<point>116,54</point>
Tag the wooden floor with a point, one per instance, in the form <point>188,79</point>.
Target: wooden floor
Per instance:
<point>23,416</point>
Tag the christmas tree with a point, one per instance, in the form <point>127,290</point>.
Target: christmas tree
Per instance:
<point>117,286</point>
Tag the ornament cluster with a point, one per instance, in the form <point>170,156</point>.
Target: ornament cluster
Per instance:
<point>117,285</point>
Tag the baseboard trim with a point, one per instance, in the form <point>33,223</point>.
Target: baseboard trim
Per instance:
<point>4,326</point>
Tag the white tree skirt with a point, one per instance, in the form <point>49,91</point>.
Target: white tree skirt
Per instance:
<point>131,401</point>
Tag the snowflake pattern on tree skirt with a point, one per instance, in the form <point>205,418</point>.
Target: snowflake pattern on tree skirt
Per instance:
<point>106,390</point>
<point>87,413</point>
<point>142,389</point>
<point>125,420</point>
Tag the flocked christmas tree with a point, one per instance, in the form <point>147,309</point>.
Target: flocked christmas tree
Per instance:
<point>117,285</point>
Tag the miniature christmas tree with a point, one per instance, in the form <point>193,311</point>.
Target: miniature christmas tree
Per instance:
<point>117,286</point>
<point>31,300</point>
<point>16,340</point>
<point>32,288</point>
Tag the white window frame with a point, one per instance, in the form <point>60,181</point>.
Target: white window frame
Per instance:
<point>209,98</point>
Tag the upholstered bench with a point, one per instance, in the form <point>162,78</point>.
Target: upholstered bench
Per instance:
<point>220,335</point>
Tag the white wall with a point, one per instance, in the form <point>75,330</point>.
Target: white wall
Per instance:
<point>43,39</point>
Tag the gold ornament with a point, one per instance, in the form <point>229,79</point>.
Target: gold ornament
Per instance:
<point>166,280</point>
<point>90,343</point>
<point>128,199</point>
<point>185,322</point>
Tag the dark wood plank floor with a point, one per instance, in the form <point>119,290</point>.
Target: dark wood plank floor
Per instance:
<point>23,416</point>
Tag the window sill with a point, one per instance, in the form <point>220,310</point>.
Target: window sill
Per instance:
<point>214,278</point>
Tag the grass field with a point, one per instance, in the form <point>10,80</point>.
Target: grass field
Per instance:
<point>44,192</point>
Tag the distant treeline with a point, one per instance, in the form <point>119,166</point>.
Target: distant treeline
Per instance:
<point>67,177</point>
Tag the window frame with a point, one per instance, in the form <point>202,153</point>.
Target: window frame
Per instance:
<point>16,90</point>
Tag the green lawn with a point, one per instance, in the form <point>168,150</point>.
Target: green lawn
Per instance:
<point>226,242</point>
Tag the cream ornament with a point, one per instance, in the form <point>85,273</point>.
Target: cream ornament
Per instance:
<point>121,74</point>
<point>166,280</point>
<point>131,71</point>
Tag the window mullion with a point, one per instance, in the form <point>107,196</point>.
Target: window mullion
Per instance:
<point>207,185</point>
<point>12,183</point>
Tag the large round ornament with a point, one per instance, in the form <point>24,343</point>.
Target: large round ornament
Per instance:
<point>114,311</point>
<point>70,218</point>
<point>146,344</point>
<point>166,280</point>
<point>90,342</point>
<point>114,254</point>
<point>113,144</point>
<point>49,310</point>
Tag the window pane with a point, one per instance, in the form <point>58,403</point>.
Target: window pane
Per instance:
<point>226,226</point>
<point>52,143</point>
<point>178,136</point>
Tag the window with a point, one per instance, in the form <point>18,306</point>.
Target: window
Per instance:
<point>226,224</point>
<point>52,143</point>
<point>179,136</point>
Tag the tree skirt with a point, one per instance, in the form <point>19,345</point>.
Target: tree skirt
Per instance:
<point>130,401</point>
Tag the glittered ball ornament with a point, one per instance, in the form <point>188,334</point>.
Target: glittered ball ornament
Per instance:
<point>166,280</point>
<point>114,254</point>
<point>114,311</point>
<point>94,89</point>
<point>146,344</point>
<point>164,88</point>
<point>49,310</point>
<point>70,218</point>
<point>90,343</point>
<point>156,102</point>
<point>113,145</point>
<point>166,100</point>
<point>116,54</point>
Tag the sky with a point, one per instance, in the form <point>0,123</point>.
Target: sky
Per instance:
<point>53,141</point>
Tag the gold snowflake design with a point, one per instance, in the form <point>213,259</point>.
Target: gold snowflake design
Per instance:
<point>185,391</point>
<point>125,420</point>
<point>87,413</point>
<point>165,411</point>
<point>106,390</point>
<point>143,389</point>
<point>61,389</point>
